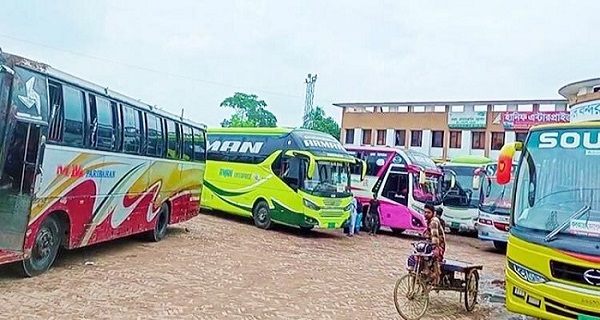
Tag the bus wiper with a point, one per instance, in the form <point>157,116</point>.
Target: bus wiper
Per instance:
<point>585,209</point>
<point>494,205</point>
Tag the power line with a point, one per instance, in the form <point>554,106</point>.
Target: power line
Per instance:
<point>85,55</point>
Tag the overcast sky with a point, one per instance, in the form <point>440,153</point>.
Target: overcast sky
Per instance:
<point>192,54</point>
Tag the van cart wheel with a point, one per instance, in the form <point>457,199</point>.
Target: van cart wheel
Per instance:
<point>262,215</point>
<point>411,297</point>
<point>160,226</point>
<point>45,249</point>
<point>471,289</point>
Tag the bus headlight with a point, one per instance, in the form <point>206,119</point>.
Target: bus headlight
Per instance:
<point>348,207</point>
<point>311,205</point>
<point>526,273</point>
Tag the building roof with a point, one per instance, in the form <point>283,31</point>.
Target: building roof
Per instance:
<point>443,103</point>
<point>572,89</point>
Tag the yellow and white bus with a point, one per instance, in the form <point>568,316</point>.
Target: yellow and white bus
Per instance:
<point>553,254</point>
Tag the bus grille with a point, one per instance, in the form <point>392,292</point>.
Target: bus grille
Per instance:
<point>332,214</point>
<point>563,310</point>
<point>569,272</point>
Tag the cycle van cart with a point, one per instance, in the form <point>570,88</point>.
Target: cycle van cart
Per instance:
<point>413,288</point>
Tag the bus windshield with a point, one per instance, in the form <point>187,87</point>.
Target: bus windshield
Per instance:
<point>495,198</point>
<point>462,195</point>
<point>428,192</point>
<point>559,176</point>
<point>329,179</point>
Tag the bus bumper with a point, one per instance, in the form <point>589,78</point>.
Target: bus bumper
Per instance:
<point>550,300</point>
<point>490,233</point>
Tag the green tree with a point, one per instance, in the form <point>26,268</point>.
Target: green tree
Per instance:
<point>320,122</point>
<point>249,112</point>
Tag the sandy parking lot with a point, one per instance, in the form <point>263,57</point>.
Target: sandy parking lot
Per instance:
<point>224,268</point>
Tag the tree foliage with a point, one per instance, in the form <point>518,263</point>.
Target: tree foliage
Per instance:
<point>320,122</point>
<point>249,112</point>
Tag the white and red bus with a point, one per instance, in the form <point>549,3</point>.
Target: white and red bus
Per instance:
<point>404,181</point>
<point>82,164</point>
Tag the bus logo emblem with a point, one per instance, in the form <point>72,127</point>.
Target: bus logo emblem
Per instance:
<point>592,276</point>
<point>32,98</point>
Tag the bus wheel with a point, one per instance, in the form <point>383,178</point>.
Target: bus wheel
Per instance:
<point>45,249</point>
<point>306,229</point>
<point>397,231</point>
<point>160,227</point>
<point>262,215</point>
<point>500,246</point>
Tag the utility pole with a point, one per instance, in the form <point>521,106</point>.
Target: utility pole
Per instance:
<point>308,102</point>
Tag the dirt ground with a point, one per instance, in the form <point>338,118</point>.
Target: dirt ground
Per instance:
<point>221,267</point>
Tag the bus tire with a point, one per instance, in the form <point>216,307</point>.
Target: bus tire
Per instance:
<point>500,246</point>
<point>262,215</point>
<point>45,248</point>
<point>160,226</point>
<point>306,229</point>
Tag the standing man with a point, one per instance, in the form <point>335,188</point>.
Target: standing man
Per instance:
<point>374,214</point>
<point>436,235</point>
<point>353,216</point>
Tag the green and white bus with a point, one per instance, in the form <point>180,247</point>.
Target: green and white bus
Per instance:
<point>295,177</point>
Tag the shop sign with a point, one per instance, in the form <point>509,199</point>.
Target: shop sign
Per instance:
<point>467,119</point>
<point>516,120</point>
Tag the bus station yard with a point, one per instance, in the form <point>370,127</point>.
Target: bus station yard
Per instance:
<point>217,266</point>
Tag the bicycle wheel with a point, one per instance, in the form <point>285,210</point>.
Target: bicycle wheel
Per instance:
<point>411,297</point>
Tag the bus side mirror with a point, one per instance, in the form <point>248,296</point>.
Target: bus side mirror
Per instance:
<point>363,168</point>
<point>505,161</point>
<point>422,177</point>
<point>312,164</point>
<point>476,182</point>
<point>452,182</point>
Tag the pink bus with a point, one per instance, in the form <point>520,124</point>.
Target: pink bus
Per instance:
<point>404,181</point>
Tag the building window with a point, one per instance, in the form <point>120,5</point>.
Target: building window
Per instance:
<point>381,137</point>
<point>497,140</point>
<point>366,138</point>
<point>437,139</point>
<point>349,136</point>
<point>455,139</point>
<point>520,136</point>
<point>400,140</point>
<point>416,138</point>
<point>478,140</point>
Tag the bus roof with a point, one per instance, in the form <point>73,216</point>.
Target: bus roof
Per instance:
<point>470,160</point>
<point>90,86</point>
<point>414,156</point>
<point>265,141</point>
<point>252,130</point>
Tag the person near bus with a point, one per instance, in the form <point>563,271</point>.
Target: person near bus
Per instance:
<point>437,237</point>
<point>374,215</point>
<point>353,216</point>
<point>438,213</point>
<point>359,218</point>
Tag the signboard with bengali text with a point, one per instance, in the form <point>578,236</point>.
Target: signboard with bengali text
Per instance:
<point>519,120</point>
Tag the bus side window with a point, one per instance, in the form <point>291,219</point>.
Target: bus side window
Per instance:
<point>101,117</point>
<point>73,117</point>
<point>172,140</point>
<point>153,136</point>
<point>188,143</point>
<point>199,145</point>
<point>131,131</point>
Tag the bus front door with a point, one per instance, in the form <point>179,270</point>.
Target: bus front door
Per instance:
<point>393,186</point>
<point>19,175</point>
